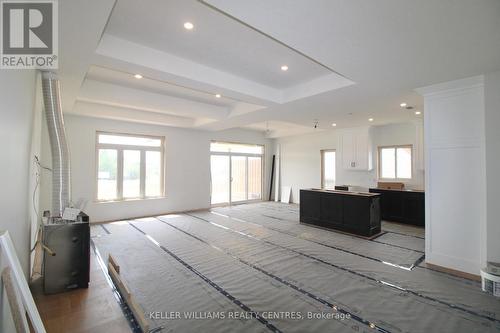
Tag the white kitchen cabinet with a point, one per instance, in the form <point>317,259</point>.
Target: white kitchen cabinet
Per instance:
<point>356,149</point>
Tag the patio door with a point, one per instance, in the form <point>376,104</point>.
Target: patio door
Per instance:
<point>219,166</point>
<point>239,178</point>
<point>236,173</point>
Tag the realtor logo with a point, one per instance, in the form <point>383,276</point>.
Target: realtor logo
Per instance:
<point>29,34</point>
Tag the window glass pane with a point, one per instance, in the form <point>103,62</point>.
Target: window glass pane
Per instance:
<point>238,178</point>
<point>219,167</point>
<point>388,163</point>
<point>153,173</point>
<point>225,147</point>
<point>328,169</point>
<point>131,173</point>
<point>254,178</point>
<point>129,140</point>
<point>106,174</point>
<point>404,162</point>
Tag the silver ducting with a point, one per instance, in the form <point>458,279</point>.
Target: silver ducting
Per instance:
<point>61,190</point>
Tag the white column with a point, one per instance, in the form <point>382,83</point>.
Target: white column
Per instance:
<point>492,121</point>
<point>455,182</point>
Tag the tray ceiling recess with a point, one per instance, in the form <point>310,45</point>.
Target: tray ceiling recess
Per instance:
<point>196,64</point>
<point>219,50</point>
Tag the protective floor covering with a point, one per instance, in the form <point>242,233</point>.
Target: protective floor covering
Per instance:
<point>390,249</point>
<point>206,263</point>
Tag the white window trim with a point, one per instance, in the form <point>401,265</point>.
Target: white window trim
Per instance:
<point>379,163</point>
<point>119,171</point>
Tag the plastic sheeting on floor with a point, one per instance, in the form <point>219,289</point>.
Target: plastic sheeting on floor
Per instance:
<point>267,270</point>
<point>403,257</point>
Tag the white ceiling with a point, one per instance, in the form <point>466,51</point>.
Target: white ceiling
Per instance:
<point>383,50</point>
<point>217,41</point>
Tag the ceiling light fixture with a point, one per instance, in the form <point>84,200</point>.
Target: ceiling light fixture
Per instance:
<point>188,26</point>
<point>138,76</point>
<point>403,105</point>
<point>284,68</point>
<point>334,124</point>
<point>218,96</point>
<point>370,119</point>
<point>418,113</point>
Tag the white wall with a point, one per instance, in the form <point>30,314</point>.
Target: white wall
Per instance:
<point>492,127</point>
<point>17,96</point>
<point>456,180</point>
<point>187,175</point>
<point>301,158</point>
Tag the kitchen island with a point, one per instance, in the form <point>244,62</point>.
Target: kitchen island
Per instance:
<point>403,206</point>
<point>353,212</point>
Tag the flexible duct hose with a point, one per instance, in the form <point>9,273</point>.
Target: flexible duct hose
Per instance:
<point>61,190</point>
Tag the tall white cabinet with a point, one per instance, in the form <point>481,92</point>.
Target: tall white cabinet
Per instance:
<point>455,182</point>
<point>356,148</point>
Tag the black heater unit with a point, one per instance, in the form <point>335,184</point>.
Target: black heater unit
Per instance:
<point>66,263</point>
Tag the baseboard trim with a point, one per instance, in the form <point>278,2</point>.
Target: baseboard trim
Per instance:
<point>155,215</point>
<point>454,272</point>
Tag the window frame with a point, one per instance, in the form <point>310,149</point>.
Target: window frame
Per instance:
<point>322,153</point>
<point>379,162</point>
<point>119,166</point>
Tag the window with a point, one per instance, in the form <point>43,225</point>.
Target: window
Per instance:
<point>328,169</point>
<point>129,166</point>
<point>395,162</point>
<point>242,148</point>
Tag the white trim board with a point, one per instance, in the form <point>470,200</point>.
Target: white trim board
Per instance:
<point>8,258</point>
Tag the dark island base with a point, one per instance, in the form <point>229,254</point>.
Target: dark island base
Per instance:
<point>403,206</point>
<point>356,213</point>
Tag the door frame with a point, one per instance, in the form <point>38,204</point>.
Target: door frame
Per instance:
<point>230,154</point>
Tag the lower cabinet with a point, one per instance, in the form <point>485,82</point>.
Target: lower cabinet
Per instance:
<point>357,213</point>
<point>402,206</point>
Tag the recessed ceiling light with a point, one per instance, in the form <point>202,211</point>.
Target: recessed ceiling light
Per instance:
<point>188,26</point>
<point>403,105</point>
<point>218,95</point>
<point>370,119</point>
<point>418,112</point>
<point>284,68</point>
<point>334,124</point>
<point>138,76</point>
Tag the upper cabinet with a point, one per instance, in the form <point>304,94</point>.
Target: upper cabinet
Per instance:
<point>356,148</point>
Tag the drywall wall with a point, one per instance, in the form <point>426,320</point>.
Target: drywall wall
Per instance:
<point>187,167</point>
<point>455,220</point>
<point>301,158</point>
<point>492,133</point>
<point>17,96</point>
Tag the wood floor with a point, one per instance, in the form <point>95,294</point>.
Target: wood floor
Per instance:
<point>83,310</point>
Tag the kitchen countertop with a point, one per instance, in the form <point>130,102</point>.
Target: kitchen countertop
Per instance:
<point>394,189</point>
<point>363,194</point>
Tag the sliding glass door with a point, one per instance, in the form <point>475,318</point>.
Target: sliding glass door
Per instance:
<point>238,178</point>
<point>219,165</point>
<point>236,172</point>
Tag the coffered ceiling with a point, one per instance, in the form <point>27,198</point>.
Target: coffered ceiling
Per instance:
<point>347,61</point>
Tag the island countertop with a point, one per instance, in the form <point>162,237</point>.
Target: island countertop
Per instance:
<point>364,194</point>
